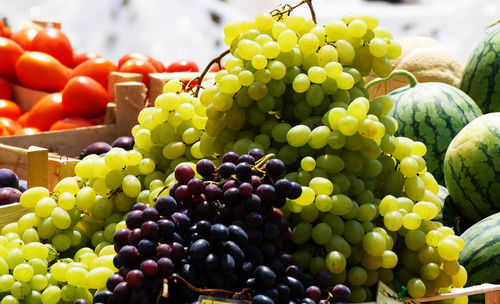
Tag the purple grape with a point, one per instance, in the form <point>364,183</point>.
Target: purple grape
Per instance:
<point>243,172</point>
<point>295,191</point>
<point>163,251</point>
<point>125,142</point>
<point>313,293</point>
<point>182,193</point>
<point>134,237</point>
<point>266,193</point>
<point>9,195</point>
<point>256,153</point>
<point>128,255</point>
<point>147,248</point>
<point>149,268</point>
<point>219,233</point>
<point>134,219</point>
<point>294,271</point>
<point>182,220</point>
<point>165,266</point>
<point>283,185</point>
<point>230,184</point>
<point>231,196</point>
<point>245,190</point>
<point>23,185</point>
<point>80,301</point>
<point>256,181</point>
<point>262,299</point>
<point>203,227</point>
<point>238,235</point>
<point>114,280</point>
<point>246,158</point>
<point>286,259</point>
<point>167,227</point>
<point>123,270</point>
<point>322,279</point>
<point>275,167</point>
<point>150,214</point>
<point>264,276</point>
<point>271,232</point>
<point>166,205</point>
<point>102,296</point>
<point>212,192</point>
<point>196,186</point>
<point>268,249</point>
<point>135,278</point>
<point>97,148</point>
<point>150,230</point>
<point>199,249</point>
<point>230,157</point>
<point>205,168</point>
<point>253,203</point>
<point>341,293</point>
<point>226,169</point>
<point>121,236</point>
<point>255,237</point>
<point>178,251</point>
<point>139,206</point>
<point>8,178</point>
<point>183,174</point>
<point>254,220</point>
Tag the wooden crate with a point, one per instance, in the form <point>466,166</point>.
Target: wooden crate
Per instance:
<point>121,117</point>
<point>38,167</point>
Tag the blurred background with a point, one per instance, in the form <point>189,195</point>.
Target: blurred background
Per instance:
<point>170,30</point>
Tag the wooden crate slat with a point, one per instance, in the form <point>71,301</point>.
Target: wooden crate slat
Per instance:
<point>130,99</point>
<point>37,167</point>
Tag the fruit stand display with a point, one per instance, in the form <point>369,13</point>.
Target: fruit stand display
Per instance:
<point>272,176</point>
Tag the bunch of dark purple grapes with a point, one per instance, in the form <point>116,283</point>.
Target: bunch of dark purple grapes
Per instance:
<point>222,231</point>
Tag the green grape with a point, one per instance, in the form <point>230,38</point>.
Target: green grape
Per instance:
<point>336,223</point>
<point>357,276</point>
<point>6,281</point>
<point>323,202</point>
<point>9,299</point>
<point>44,206</point>
<point>353,232</point>
<point>77,276</point>
<point>51,295</point>
<point>415,239</point>
<point>35,250</point>
<point>378,47</point>
<point>393,220</point>
<point>20,290</point>
<point>416,288</point>
<point>97,277</point>
<point>301,233</point>
<point>309,213</point>
<point>287,39</point>
<point>374,243</point>
<point>335,262</point>
<point>338,243</point>
<point>61,242</point>
<point>68,293</point>
<point>327,54</point>
<point>321,233</point>
<point>38,282</point>
<point>30,197</point>
<point>307,163</point>
<point>301,83</point>
<point>341,204</point>
<point>448,249</point>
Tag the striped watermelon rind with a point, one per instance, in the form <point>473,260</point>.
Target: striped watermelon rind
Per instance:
<point>481,254</point>
<point>472,168</point>
<point>481,77</point>
<point>433,113</point>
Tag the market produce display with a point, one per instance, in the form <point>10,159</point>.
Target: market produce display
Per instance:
<point>283,182</point>
<point>430,112</point>
<point>480,78</point>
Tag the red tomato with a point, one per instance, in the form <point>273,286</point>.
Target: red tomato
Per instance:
<point>182,66</point>
<point>9,52</point>
<point>41,71</point>
<point>22,119</point>
<point>215,67</point>
<point>5,30</point>
<point>97,69</point>
<point>71,123</point>
<point>27,131</point>
<point>5,89</point>
<point>82,57</point>
<point>3,131</point>
<point>134,55</point>
<point>24,37</point>
<point>83,96</point>
<point>55,43</point>
<point>139,66</point>
<point>46,111</point>
<point>10,109</point>
<point>10,125</point>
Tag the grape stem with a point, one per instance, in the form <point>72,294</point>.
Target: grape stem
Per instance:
<point>409,76</point>
<point>287,9</point>
<point>208,291</point>
<point>486,30</point>
<point>205,71</point>
<point>158,194</point>
<point>264,160</point>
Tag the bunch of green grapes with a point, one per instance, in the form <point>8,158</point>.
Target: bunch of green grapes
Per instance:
<point>26,274</point>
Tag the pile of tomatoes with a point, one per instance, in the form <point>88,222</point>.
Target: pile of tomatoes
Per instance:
<point>76,83</point>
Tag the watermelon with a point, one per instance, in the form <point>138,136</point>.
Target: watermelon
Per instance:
<point>481,254</point>
<point>472,168</point>
<point>433,113</point>
<point>481,77</point>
